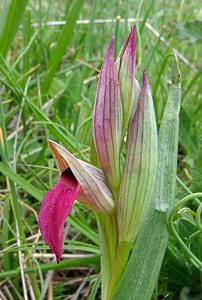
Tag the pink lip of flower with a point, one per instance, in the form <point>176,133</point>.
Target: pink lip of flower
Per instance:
<point>54,210</point>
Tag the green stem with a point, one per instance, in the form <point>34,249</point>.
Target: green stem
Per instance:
<point>122,255</point>
<point>108,233</point>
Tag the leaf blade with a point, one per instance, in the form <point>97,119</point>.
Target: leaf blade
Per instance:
<point>150,246</point>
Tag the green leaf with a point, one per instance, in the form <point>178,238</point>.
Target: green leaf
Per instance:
<point>86,230</point>
<point>138,178</point>
<point>10,18</point>
<point>142,270</point>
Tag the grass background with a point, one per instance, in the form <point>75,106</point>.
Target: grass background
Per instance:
<point>57,66</point>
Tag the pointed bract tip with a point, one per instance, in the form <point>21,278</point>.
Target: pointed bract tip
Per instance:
<point>56,151</point>
<point>111,44</point>
<point>133,32</point>
<point>110,50</point>
<point>132,42</point>
<point>51,144</point>
<point>128,50</point>
<point>143,91</point>
<point>125,45</point>
<point>145,80</point>
<point>144,72</point>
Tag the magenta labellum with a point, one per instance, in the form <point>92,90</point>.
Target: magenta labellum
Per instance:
<point>54,210</point>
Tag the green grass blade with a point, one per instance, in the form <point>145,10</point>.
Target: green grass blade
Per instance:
<point>24,52</point>
<point>139,42</point>
<point>117,44</point>
<point>148,10</point>
<point>10,19</point>
<point>89,261</point>
<point>24,184</point>
<point>26,41</point>
<point>63,42</point>
<point>95,288</point>
<point>86,230</point>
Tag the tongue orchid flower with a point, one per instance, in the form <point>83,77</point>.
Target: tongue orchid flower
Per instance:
<point>78,180</point>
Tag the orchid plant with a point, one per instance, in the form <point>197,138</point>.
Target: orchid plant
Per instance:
<point>119,182</point>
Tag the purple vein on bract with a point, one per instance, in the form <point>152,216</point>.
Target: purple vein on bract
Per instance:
<point>107,119</point>
<point>94,191</point>
<point>140,166</point>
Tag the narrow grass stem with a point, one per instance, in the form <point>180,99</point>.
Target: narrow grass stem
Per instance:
<point>18,125</point>
<point>138,34</point>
